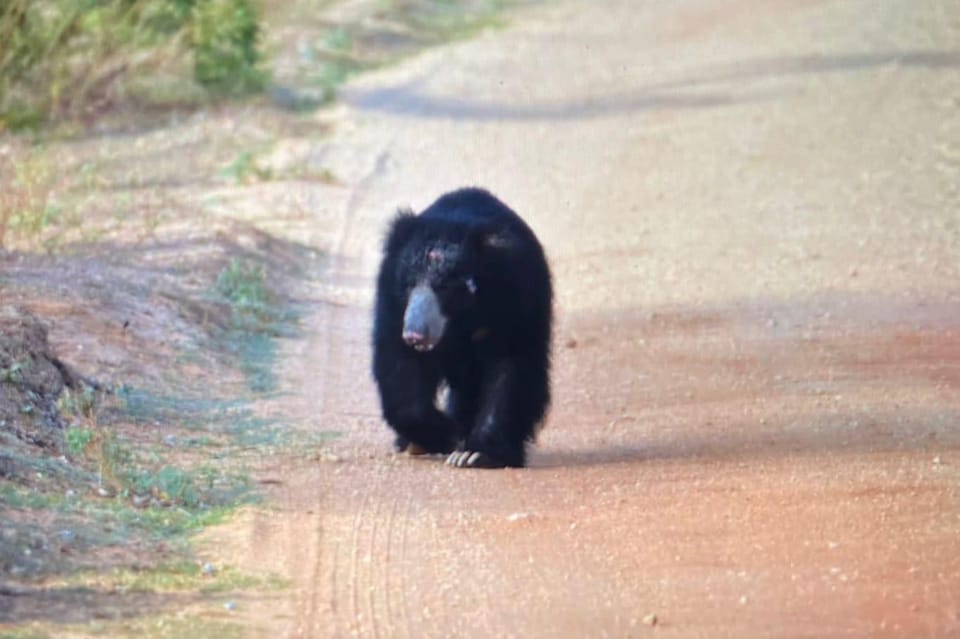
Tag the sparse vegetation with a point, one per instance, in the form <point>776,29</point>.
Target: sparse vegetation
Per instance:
<point>173,577</point>
<point>78,439</point>
<point>168,626</point>
<point>245,168</point>
<point>225,38</point>
<point>242,284</point>
<point>26,203</point>
<point>39,202</point>
<point>255,322</point>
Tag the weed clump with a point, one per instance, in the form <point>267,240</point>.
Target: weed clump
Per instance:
<point>226,57</point>
<point>255,322</point>
<point>241,283</point>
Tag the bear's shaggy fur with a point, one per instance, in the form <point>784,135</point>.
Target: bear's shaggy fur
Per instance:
<point>464,298</point>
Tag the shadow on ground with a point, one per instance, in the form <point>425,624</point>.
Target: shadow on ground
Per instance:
<point>831,374</point>
<point>410,98</point>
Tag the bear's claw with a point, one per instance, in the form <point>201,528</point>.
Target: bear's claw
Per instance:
<point>472,459</point>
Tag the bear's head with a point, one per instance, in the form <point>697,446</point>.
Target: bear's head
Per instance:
<point>439,275</point>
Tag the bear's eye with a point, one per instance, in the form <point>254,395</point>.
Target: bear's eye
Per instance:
<point>471,285</point>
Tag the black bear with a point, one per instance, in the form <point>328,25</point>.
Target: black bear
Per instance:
<point>464,299</point>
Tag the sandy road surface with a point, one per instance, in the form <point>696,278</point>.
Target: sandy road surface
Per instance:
<point>752,211</point>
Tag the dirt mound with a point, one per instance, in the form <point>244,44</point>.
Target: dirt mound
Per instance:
<point>31,381</point>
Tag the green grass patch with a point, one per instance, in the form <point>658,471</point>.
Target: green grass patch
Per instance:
<point>99,521</point>
<point>148,407</point>
<point>245,169</point>
<point>256,322</point>
<point>24,633</point>
<point>78,439</point>
<point>43,471</point>
<point>228,424</point>
<point>64,58</point>
<point>256,354</point>
<point>14,496</point>
<point>173,577</point>
<point>241,283</point>
<point>163,523</point>
<point>170,626</point>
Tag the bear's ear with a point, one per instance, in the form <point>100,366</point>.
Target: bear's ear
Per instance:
<point>400,230</point>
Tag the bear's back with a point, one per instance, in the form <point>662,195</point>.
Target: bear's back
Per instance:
<point>471,206</point>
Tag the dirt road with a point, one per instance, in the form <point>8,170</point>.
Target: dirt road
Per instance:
<point>753,217</point>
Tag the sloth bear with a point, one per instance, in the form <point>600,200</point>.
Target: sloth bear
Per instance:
<point>464,300</point>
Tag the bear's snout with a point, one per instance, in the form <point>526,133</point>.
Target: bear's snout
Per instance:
<point>423,321</point>
<point>417,340</point>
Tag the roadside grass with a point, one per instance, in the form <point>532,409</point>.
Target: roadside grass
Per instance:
<point>256,322</point>
<point>152,626</point>
<point>53,200</point>
<point>171,577</point>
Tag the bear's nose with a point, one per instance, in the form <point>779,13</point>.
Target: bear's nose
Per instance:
<point>417,340</point>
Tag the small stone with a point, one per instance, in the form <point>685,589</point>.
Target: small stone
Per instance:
<point>170,440</point>
<point>230,605</point>
<point>208,569</point>
<point>513,517</point>
<point>330,458</point>
<point>649,620</point>
<point>937,461</point>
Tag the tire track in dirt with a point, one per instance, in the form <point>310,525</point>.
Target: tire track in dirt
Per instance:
<point>358,580</point>
<point>375,618</point>
<point>391,610</point>
<point>403,582</point>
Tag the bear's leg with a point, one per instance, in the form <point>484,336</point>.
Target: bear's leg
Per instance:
<point>407,390</point>
<point>513,401</point>
<point>461,405</point>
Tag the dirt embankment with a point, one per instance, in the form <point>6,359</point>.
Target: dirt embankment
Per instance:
<point>122,374</point>
<point>31,381</point>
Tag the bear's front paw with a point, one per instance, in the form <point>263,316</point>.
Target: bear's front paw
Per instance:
<point>472,459</point>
